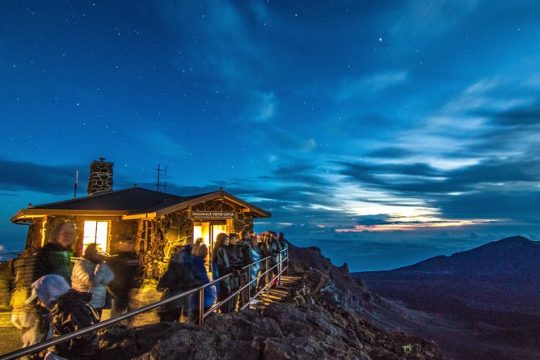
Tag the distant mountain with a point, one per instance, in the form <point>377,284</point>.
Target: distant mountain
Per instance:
<point>510,256</point>
<point>493,291</point>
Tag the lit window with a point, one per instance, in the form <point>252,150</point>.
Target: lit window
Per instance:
<point>96,232</point>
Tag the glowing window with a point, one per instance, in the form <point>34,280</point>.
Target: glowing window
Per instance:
<point>96,232</point>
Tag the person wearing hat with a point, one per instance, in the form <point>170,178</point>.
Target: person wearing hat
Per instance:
<point>69,312</point>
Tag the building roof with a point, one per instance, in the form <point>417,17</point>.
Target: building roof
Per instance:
<point>135,199</point>
<point>134,202</point>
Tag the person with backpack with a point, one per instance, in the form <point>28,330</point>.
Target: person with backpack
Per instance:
<point>177,279</point>
<point>70,312</point>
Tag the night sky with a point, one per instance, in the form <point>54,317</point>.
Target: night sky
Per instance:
<point>383,132</point>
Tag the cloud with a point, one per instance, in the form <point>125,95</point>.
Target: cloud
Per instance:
<point>390,152</point>
<point>370,220</point>
<point>303,173</point>
<point>50,179</point>
<point>225,49</point>
<point>262,108</point>
<point>286,141</point>
<point>161,144</point>
<point>518,116</point>
<point>421,18</point>
<point>494,204</point>
<point>370,84</point>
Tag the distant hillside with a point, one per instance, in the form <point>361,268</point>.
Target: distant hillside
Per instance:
<point>492,290</point>
<point>511,256</point>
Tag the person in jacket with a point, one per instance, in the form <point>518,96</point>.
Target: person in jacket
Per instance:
<point>245,247</point>
<point>282,241</point>
<point>91,274</point>
<point>126,268</point>
<point>283,244</point>
<point>264,248</point>
<point>55,256</point>
<point>275,249</point>
<point>69,312</point>
<point>221,266</point>
<point>200,251</point>
<point>237,260</point>
<point>256,267</point>
<point>177,279</point>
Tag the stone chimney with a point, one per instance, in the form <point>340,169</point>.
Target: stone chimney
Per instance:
<point>101,177</point>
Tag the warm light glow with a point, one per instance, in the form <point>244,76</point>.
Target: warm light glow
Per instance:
<point>202,230</point>
<point>43,231</point>
<point>96,232</point>
<point>218,229</point>
<point>198,232</point>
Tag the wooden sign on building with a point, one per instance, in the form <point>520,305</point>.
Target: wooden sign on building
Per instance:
<point>212,215</point>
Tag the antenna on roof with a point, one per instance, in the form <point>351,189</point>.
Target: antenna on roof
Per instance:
<point>159,184</point>
<point>76,184</point>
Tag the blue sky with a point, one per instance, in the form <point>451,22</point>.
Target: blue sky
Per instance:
<point>383,132</point>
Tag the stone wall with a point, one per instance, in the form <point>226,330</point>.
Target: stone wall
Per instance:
<point>158,237</point>
<point>101,177</point>
<point>33,237</point>
<point>241,222</point>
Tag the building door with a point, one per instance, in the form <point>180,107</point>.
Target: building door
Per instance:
<point>202,230</point>
<point>209,231</point>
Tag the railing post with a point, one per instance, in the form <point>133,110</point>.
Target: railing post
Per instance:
<point>201,306</point>
<point>249,282</point>
<point>280,267</point>
<point>287,260</point>
<point>266,273</point>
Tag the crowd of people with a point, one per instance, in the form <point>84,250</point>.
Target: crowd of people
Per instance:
<point>236,260</point>
<point>70,293</point>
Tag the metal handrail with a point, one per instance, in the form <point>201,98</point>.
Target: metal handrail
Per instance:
<point>100,325</point>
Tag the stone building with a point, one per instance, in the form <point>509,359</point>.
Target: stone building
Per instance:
<point>153,222</point>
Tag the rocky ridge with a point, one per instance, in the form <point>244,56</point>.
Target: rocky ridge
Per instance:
<point>322,319</point>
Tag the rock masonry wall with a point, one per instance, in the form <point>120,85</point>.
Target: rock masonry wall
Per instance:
<point>101,177</point>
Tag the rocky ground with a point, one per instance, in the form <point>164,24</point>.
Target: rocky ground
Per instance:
<point>324,318</point>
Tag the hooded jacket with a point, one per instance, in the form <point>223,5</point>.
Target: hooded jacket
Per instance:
<point>93,278</point>
<point>199,273</point>
<point>69,312</point>
<point>177,279</point>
